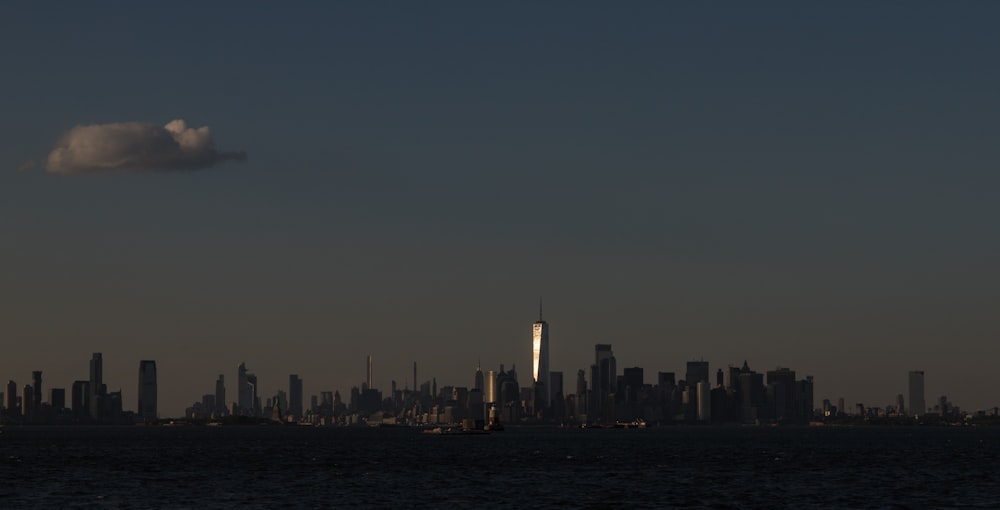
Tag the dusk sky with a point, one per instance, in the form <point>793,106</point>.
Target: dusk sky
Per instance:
<point>795,186</point>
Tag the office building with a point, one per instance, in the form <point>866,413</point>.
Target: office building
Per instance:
<point>11,396</point>
<point>697,371</point>
<point>57,399</point>
<point>147,390</point>
<point>245,391</point>
<point>36,386</point>
<point>96,387</point>
<point>294,408</point>
<point>220,396</point>
<point>540,358</point>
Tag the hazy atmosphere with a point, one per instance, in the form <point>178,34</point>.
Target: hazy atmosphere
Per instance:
<point>298,188</point>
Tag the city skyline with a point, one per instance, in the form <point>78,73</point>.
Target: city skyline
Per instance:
<point>299,188</point>
<point>600,377</point>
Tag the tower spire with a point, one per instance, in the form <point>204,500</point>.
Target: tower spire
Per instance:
<point>540,309</point>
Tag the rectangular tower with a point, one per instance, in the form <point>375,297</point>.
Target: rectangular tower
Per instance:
<point>540,357</point>
<point>294,396</point>
<point>96,386</point>
<point>220,396</point>
<point>147,389</point>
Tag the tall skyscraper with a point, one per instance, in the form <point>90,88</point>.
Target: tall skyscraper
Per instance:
<point>27,400</point>
<point>540,356</point>
<point>80,398</point>
<point>11,397</point>
<point>57,399</point>
<point>478,383</point>
<point>697,371</point>
<point>96,386</point>
<point>917,405</point>
<point>220,396</point>
<point>36,386</point>
<point>245,400</point>
<point>294,396</point>
<point>147,389</point>
<point>489,393</point>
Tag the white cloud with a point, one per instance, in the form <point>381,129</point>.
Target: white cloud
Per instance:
<point>136,147</point>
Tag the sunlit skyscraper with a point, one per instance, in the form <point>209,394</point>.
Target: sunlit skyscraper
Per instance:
<point>540,355</point>
<point>147,389</point>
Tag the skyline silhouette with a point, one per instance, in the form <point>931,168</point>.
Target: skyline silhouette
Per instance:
<point>298,188</point>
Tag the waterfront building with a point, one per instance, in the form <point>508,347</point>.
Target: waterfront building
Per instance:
<point>36,386</point>
<point>490,384</point>
<point>540,358</point>
<point>220,396</point>
<point>11,396</point>
<point>57,399</point>
<point>697,371</point>
<point>704,399</point>
<point>244,390</point>
<point>917,405</point>
<point>478,383</point>
<point>581,395</point>
<point>96,386</point>
<point>80,398</point>
<point>294,408</point>
<point>147,390</point>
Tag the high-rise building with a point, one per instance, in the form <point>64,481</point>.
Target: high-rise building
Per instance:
<point>479,378</point>
<point>245,392</point>
<point>57,399</point>
<point>220,396</point>
<point>36,386</point>
<point>581,394</point>
<point>96,386</point>
<point>490,387</point>
<point>294,396</point>
<point>27,400</point>
<point>603,383</point>
<point>11,397</point>
<point>80,398</point>
<point>917,405</point>
<point>697,371</point>
<point>147,389</point>
<point>540,357</point>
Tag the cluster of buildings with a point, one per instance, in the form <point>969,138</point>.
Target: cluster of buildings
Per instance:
<point>599,395</point>
<point>90,401</point>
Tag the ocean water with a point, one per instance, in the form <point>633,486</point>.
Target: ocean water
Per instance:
<point>669,467</point>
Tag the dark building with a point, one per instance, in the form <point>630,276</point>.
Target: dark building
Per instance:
<point>781,391</point>
<point>294,396</point>
<point>36,384</point>
<point>57,399</point>
<point>11,397</point>
<point>97,389</point>
<point>80,398</point>
<point>220,396</point>
<point>147,390</point>
<point>697,371</point>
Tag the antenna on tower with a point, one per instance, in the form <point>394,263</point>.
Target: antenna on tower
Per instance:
<point>540,309</point>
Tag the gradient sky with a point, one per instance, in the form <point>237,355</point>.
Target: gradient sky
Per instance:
<point>807,187</point>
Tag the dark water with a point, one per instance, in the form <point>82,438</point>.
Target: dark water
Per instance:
<point>268,467</point>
